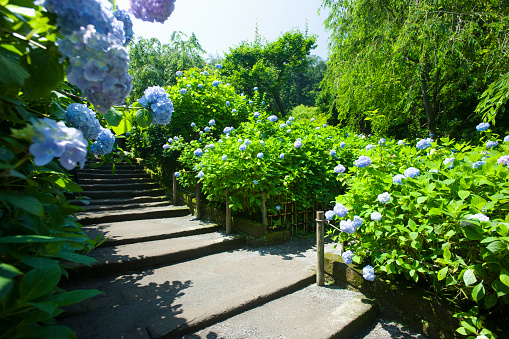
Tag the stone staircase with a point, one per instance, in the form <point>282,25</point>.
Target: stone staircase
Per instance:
<point>166,274</point>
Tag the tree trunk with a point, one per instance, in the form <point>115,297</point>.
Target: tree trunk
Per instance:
<point>429,103</point>
<point>279,102</point>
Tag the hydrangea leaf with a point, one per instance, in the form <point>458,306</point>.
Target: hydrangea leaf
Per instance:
<point>504,277</point>
<point>11,71</point>
<point>46,73</point>
<point>39,282</point>
<point>469,277</point>
<point>5,287</point>
<point>496,246</point>
<point>75,296</point>
<point>478,292</point>
<point>24,202</point>
<point>113,117</point>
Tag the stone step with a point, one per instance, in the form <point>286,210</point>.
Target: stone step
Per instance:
<point>312,312</point>
<point>114,180</point>
<point>128,232</point>
<point>109,175</point>
<point>97,217</point>
<point>143,255</point>
<point>124,193</point>
<point>113,186</point>
<point>169,301</point>
<point>109,171</point>
<point>129,200</point>
<point>126,205</point>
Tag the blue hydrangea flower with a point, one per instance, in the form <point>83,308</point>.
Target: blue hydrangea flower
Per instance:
<point>210,146</point>
<point>177,174</point>
<point>124,17</point>
<point>166,146</point>
<point>397,179</point>
<point>83,118</point>
<point>412,172</point>
<point>283,126</point>
<point>224,157</point>
<point>193,124</point>
<point>176,138</point>
<point>329,215</point>
<point>449,161</point>
<point>342,145</point>
<point>332,153</point>
<point>370,147</point>
<point>382,141</point>
<point>183,91</point>
<point>207,129</point>
<point>478,164</point>
<point>227,103</point>
<point>215,83</point>
<point>340,210</point>
<point>491,144</point>
<point>262,142</point>
<point>259,155</point>
<point>278,208</point>
<point>198,152</point>
<point>297,143</point>
<point>506,138</point>
<point>188,85</point>
<point>375,216</point>
<point>357,221</point>
<point>347,257</point>
<point>483,126</point>
<point>205,73</point>
<point>178,73</point>
<point>368,273</point>
<point>251,102</point>
<point>227,130</point>
<point>363,161</point>
<point>272,118</point>
<point>234,110</point>
<point>347,226</point>
<point>242,147</point>
<point>255,88</point>
<point>219,66</point>
<point>255,182</point>
<point>479,216</point>
<point>424,143</point>
<point>256,114</point>
<point>201,174</point>
<point>282,156</point>
<point>247,142</point>
<point>339,169</point>
<point>401,142</point>
<point>288,130</point>
<point>384,198</point>
<point>503,160</point>
<point>200,86</point>
<point>312,119</point>
<point>104,143</point>
<point>153,10</point>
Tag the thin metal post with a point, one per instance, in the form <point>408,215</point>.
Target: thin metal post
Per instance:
<point>198,202</point>
<point>228,213</point>
<point>264,209</point>
<point>174,190</point>
<point>320,276</point>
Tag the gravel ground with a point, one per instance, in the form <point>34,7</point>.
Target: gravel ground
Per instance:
<point>383,327</point>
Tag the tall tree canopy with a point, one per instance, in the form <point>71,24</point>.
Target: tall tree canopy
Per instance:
<point>153,63</point>
<point>413,63</point>
<point>269,65</point>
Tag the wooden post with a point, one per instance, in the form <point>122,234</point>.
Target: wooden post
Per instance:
<point>198,202</point>
<point>174,190</point>
<point>264,209</point>
<point>228,213</point>
<point>320,276</point>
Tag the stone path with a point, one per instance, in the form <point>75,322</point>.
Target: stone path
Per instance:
<point>166,274</point>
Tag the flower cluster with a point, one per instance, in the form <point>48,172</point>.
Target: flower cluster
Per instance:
<point>123,16</point>
<point>412,172</point>
<point>363,161</point>
<point>424,143</point>
<point>54,139</point>
<point>297,143</point>
<point>478,216</point>
<point>83,118</point>
<point>491,144</point>
<point>104,143</point>
<point>339,169</point>
<point>483,126</point>
<point>503,160</point>
<point>272,118</point>
<point>160,105</point>
<point>384,198</point>
<point>93,42</point>
<point>154,10</point>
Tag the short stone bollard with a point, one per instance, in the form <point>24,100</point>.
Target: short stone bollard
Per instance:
<point>320,266</point>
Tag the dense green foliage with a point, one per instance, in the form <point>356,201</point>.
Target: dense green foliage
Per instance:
<point>201,102</point>
<point>304,174</point>
<point>155,64</point>
<point>281,69</point>
<point>410,66</point>
<point>426,232</point>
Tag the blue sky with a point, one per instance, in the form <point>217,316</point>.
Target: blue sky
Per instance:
<point>221,24</point>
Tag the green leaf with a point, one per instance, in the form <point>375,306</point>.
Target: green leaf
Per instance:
<point>9,271</point>
<point>79,258</point>
<point>490,300</point>
<point>22,239</point>
<point>447,254</point>
<point>24,202</point>
<point>420,200</point>
<point>143,118</point>
<point>11,71</point>
<point>500,288</point>
<point>46,73</point>
<point>72,297</point>
<point>504,277</point>
<point>469,277</point>
<point>38,261</point>
<point>473,232</point>
<point>436,211</point>
<point>442,273</point>
<point>496,246</point>
<point>478,292</point>
<point>39,282</point>
<point>414,235</point>
<point>54,331</point>
<point>47,307</point>
<point>113,117</point>
<point>6,285</point>
<point>463,194</point>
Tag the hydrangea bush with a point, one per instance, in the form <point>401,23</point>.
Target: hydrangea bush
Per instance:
<point>436,213</point>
